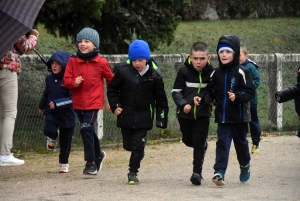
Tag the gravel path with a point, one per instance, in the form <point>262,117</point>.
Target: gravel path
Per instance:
<point>164,175</point>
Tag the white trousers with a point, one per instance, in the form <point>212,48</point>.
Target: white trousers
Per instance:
<point>8,108</point>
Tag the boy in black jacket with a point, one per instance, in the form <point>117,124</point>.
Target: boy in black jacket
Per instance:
<point>194,120</point>
<point>135,92</point>
<point>233,87</point>
<point>56,104</point>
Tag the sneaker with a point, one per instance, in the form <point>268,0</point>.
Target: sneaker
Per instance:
<point>63,168</point>
<point>218,179</point>
<point>245,173</point>
<point>255,149</point>
<point>132,178</point>
<point>10,161</point>
<point>196,178</point>
<point>90,168</point>
<point>99,161</point>
<point>51,143</point>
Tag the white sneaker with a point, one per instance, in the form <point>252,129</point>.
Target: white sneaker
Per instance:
<point>63,168</point>
<point>11,161</point>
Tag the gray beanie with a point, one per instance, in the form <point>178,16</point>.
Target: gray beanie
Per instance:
<point>89,33</point>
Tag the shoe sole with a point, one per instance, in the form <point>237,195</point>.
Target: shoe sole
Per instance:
<point>90,173</point>
<point>218,180</point>
<point>100,167</point>
<point>10,164</point>
<point>133,183</point>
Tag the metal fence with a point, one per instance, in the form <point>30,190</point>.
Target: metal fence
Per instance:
<point>277,71</point>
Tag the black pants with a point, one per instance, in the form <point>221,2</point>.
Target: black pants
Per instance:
<point>90,140</point>
<point>194,134</point>
<point>65,139</point>
<point>134,140</point>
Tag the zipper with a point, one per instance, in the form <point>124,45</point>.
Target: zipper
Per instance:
<point>225,97</point>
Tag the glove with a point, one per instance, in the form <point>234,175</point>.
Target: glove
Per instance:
<point>34,32</point>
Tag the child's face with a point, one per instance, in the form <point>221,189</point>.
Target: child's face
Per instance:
<point>56,67</point>
<point>243,56</point>
<point>199,59</point>
<point>139,64</point>
<point>86,46</point>
<point>226,56</point>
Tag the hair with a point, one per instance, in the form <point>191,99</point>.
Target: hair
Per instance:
<point>244,49</point>
<point>199,47</point>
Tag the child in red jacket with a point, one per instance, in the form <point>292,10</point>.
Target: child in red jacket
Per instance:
<point>84,75</point>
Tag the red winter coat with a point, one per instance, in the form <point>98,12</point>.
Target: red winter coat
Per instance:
<point>90,93</point>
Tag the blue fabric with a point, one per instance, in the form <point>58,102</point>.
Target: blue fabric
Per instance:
<point>224,46</point>
<point>138,49</point>
<point>89,33</point>
<point>61,56</point>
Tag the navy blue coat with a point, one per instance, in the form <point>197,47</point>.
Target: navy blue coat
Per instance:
<point>63,114</point>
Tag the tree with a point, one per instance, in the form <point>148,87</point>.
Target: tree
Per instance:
<point>118,22</point>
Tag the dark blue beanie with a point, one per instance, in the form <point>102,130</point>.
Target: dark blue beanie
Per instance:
<point>89,33</point>
<point>224,46</point>
<point>139,49</point>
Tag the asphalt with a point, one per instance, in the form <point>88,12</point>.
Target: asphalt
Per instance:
<point>164,175</point>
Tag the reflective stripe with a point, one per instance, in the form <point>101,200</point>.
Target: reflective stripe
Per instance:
<point>64,103</point>
<point>195,85</point>
<point>243,74</point>
<point>176,90</point>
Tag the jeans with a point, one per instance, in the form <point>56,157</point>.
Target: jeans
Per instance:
<point>8,109</point>
<point>226,133</point>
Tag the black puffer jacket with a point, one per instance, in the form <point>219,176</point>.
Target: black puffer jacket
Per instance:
<point>188,83</point>
<point>235,78</point>
<point>139,97</point>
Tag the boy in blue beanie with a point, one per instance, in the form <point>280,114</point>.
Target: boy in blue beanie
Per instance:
<point>233,88</point>
<point>56,104</point>
<point>135,92</point>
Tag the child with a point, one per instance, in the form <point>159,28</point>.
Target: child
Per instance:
<point>84,75</point>
<point>134,92</point>
<point>10,68</point>
<point>254,123</point>
<point>297,103</point>
<point>56,103</point>
<point>233,88</point>
<point>194,120</point>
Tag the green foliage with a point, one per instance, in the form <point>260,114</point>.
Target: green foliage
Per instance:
<point>118,22</point>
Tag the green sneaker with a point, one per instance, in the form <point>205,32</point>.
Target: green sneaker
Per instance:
<point>245,173</point>
<point>255,149</point>
<point>133,178</point>
<point>218,179</point>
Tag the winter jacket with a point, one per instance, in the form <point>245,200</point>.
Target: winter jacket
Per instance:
<point>297,100</point>
<point>139,97</point>
<point>90,93</point>
<point>63,114</point>
<point>235,78</point>
<point>254,71</point>
<point>11,60</point>
<point>188,83</point>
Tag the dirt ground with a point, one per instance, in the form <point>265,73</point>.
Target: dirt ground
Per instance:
<point>164,175</point>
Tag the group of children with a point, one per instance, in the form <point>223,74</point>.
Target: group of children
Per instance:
<point>136,95</point>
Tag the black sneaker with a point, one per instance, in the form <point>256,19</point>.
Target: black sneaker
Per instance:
<point>196,178</point>
<point>100,160</point>
<point>132,178</point>
<point>90,169</point>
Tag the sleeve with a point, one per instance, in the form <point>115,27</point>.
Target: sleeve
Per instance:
<point>25,45</point>
<point>247,89</point>
<point>107,73</point>
<point>162,108</point>
<point>297,100</point>
<point>178,88</point>
<point>113,91</point>
<point>255,75</point>
<point>44,99</point>
<point>62,103</point>
<point>69,79</point>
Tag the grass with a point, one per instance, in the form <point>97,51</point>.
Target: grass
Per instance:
<point>261,36</point>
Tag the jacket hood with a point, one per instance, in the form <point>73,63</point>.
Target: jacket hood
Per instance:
<point>234,42</point>
<point>61,56</point>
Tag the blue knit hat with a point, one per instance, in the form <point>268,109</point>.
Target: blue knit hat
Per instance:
<point>224,46</point>
<point>89,33</point>
<point>138,49</point>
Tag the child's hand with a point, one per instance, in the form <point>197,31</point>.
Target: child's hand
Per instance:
<point>78,80</point>
<point>231,96</point>
<point>52,105</point>
<point>187,108</point>
<point>118,110</point>
<point>197,100</point>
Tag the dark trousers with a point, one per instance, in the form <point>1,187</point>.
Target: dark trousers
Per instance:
<point>194,134</point>
<point>226,133</point>
<point>134,140</point>
<point>65,139</point>
<point>90,140</point>
<point>254,125</point>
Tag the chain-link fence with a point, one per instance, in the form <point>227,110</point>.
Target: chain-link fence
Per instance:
<point>28,132</point>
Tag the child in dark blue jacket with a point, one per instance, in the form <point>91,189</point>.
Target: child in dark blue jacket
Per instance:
<point>56,103</point>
